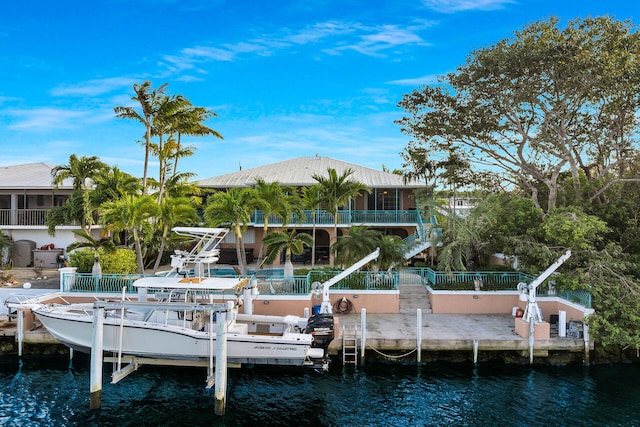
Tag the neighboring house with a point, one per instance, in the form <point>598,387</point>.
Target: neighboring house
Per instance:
<point>389,208</point>
<point>26,195</point>
<point>462,205</point>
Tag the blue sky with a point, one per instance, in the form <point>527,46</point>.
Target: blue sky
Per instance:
<point>287,78</point>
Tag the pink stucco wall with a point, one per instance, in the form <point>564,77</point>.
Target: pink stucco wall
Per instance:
<point>496,303</point>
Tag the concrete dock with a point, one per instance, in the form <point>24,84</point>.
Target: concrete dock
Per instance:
<point>393,334</point>
<point>445,332</point>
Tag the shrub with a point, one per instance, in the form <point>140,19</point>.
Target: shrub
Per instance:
<point>122,261</point>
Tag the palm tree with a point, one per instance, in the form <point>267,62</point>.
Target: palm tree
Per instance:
<point>336,190</point>
<point>275,199</point>
<point>104,243</point>
<point>190,121</point>
<point>232,208</point>
<point>148,99</point>
<point>392,250</point>
<point>467,238</point>
<point>360,242</point>
<point>311,200</point>
<point>131,213</point>
<point>173,211</point>
<point>112,184</point>
<point>82,171</point>
<point>288,241</point>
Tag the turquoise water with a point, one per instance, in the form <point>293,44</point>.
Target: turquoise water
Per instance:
<point>49,391</point>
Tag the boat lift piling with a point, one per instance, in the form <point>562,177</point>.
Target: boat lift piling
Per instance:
<point>95,388</point>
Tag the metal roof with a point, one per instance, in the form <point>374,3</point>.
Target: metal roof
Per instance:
<point>29,176</point>
<point>299,172</point>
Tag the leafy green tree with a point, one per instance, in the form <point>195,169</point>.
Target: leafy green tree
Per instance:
<point>550,100</point>
<point>131,214</point>
<point>288,241</point>
<point>233,209</point>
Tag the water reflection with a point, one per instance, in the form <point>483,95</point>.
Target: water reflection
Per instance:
<point>49,391</point>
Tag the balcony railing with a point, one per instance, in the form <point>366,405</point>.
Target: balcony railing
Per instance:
<point>23,216</point>
<point>322,217</point>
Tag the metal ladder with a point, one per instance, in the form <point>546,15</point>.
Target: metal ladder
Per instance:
<point>350,346</point>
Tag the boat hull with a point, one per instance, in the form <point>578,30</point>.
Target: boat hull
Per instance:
<point>146,339</point>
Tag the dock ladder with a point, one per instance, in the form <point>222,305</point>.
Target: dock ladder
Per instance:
<point>350,346</point>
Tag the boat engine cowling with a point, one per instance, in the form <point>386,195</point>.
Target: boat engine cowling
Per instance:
<point>320,326</point>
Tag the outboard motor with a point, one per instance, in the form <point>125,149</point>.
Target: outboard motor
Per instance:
<point>320,326</point>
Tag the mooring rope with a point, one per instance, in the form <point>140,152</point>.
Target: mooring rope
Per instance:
<point>390,356</point>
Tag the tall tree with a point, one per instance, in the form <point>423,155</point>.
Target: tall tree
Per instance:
<point>232,208</point>
<point>311,200</point>
<point>272,198</point>
<point>548,101</point>
<point>149,100</point>
<point>336,190</point>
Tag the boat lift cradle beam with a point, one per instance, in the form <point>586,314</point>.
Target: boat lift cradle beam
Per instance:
<point>325,307</point>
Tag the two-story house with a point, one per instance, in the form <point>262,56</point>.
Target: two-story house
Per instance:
<point>26,195</point>
<point>390,207</point>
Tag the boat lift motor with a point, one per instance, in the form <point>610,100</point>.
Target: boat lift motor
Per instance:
<point>317,287</point>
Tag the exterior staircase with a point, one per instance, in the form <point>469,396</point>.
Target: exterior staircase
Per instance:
<point>413,297</point>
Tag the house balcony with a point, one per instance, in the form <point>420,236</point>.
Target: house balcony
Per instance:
<point>346,218</point>
<point>23,217</point>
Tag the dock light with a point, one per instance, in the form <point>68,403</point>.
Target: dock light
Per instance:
<point>266,302</point>
<point>27,285</point>
<point>476,297</point>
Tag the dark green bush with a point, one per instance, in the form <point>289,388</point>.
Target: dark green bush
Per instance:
<point>122,261</point>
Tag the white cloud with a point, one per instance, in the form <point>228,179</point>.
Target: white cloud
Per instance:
<point>42,119</point>
<point>93,87</point>
<point>334,36</point>
<point>416,81</point>
<point>451,6</point>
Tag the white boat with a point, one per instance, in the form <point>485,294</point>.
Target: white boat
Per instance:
<point>175,317</point>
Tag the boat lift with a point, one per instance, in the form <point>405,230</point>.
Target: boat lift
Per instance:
<point>217,372</point>
<point>317,287</point>
<point>532,313</point>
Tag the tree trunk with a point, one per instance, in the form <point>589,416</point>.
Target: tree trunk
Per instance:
<point>136,239</point>
<point>156,265</point>
<point>288,265</point>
